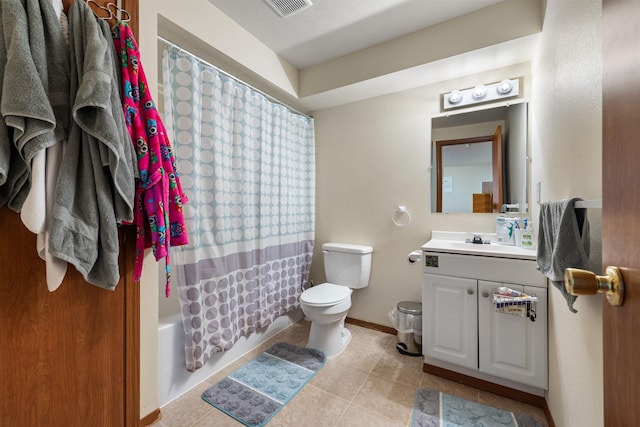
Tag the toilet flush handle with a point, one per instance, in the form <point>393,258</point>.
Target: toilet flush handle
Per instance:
<point>326,252</point>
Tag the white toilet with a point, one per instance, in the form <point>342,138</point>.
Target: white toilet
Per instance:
<point>347,267</point>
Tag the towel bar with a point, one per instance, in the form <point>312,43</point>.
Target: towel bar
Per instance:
<point>593,204</point>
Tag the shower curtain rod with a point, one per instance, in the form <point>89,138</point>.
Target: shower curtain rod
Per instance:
<point>266,95</point>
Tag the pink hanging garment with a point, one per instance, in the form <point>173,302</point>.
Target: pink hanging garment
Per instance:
<point>159,197</point>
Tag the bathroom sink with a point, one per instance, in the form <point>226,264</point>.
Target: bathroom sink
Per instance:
<point>454,242</point>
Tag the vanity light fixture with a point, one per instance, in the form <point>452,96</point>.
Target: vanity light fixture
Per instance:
<point>481,93</point>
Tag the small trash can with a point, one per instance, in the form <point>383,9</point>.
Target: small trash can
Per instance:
<point>407,319</point>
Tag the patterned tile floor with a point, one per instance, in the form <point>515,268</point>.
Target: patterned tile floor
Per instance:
<point>369,384</point>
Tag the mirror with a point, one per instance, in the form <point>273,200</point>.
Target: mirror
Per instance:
<point>479,160</point>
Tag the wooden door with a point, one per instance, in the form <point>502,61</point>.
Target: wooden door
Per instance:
<point>129,7</point>
<point>621,208</point>
<point>71,357</point>
<point>496,171</point>
<point>63,355</point>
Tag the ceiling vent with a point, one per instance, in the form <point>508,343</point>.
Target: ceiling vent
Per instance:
<point>286,8</point>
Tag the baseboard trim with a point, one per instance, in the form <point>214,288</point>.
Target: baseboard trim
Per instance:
<point>151,418</point>
<point>498,389</point>
<point>370,325</point>
<point>547,414</point>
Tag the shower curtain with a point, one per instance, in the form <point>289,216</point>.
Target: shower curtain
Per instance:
<point>247,166</point>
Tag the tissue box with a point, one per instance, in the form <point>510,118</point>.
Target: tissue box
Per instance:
<point>505,230</point>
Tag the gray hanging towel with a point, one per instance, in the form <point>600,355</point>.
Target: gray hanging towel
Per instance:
<point>96,188</point>
<point>28,123</point>
<point>563,242</point>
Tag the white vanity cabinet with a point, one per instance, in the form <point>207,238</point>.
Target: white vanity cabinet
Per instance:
<point>464,331</point>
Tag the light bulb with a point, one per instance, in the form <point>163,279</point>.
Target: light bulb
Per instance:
<point>455,97</point>
<point>479,91</point>
<point>504,87</point>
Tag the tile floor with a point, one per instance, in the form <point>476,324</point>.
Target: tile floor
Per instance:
<point>369,384</point>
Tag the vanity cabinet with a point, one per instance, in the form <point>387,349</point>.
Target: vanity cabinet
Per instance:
<point>464,331</point>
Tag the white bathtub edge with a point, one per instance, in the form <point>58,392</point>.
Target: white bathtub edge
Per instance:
<point>173,378</point>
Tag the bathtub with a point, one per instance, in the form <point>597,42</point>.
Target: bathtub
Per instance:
<point>174,379</point>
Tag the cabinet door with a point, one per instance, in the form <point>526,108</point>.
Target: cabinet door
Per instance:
<point>449,320</point>
<point>513,347</point>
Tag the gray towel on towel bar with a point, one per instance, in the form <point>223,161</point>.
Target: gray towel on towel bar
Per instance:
<point>563,242</point>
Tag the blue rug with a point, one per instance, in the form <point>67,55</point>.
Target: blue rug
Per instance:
<point>255,392</point>
<point>436,409</point>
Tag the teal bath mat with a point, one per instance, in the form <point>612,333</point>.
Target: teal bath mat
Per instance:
<point>255,392</point>
<point>436,409</point>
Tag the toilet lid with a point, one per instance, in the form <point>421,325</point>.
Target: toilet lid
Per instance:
<point>325,294</point>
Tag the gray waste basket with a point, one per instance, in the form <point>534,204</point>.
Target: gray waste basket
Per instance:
<point>407,319</point>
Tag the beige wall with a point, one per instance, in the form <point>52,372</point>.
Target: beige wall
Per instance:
<point>567,142</point>
<point>373,155</point>
<point>150,280</point>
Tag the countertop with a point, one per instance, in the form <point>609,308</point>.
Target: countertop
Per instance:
<point>454,242</point>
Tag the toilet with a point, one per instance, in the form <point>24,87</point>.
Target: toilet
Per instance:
<point>346,267</point>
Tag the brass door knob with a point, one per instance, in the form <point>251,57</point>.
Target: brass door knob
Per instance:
<point>583,282</point>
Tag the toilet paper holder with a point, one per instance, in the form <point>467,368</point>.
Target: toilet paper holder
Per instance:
<point>414,257</point>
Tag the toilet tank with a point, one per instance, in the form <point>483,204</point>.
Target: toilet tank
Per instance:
<point>346,264</point>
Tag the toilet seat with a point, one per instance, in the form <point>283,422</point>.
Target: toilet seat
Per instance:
<point>325,294</point>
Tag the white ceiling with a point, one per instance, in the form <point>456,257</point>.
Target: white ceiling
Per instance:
<point>321,39</point>
<point>332,28</point>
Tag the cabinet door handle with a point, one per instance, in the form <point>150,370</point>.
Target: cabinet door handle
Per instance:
<point>470,291</point>
<point>485,294</point>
